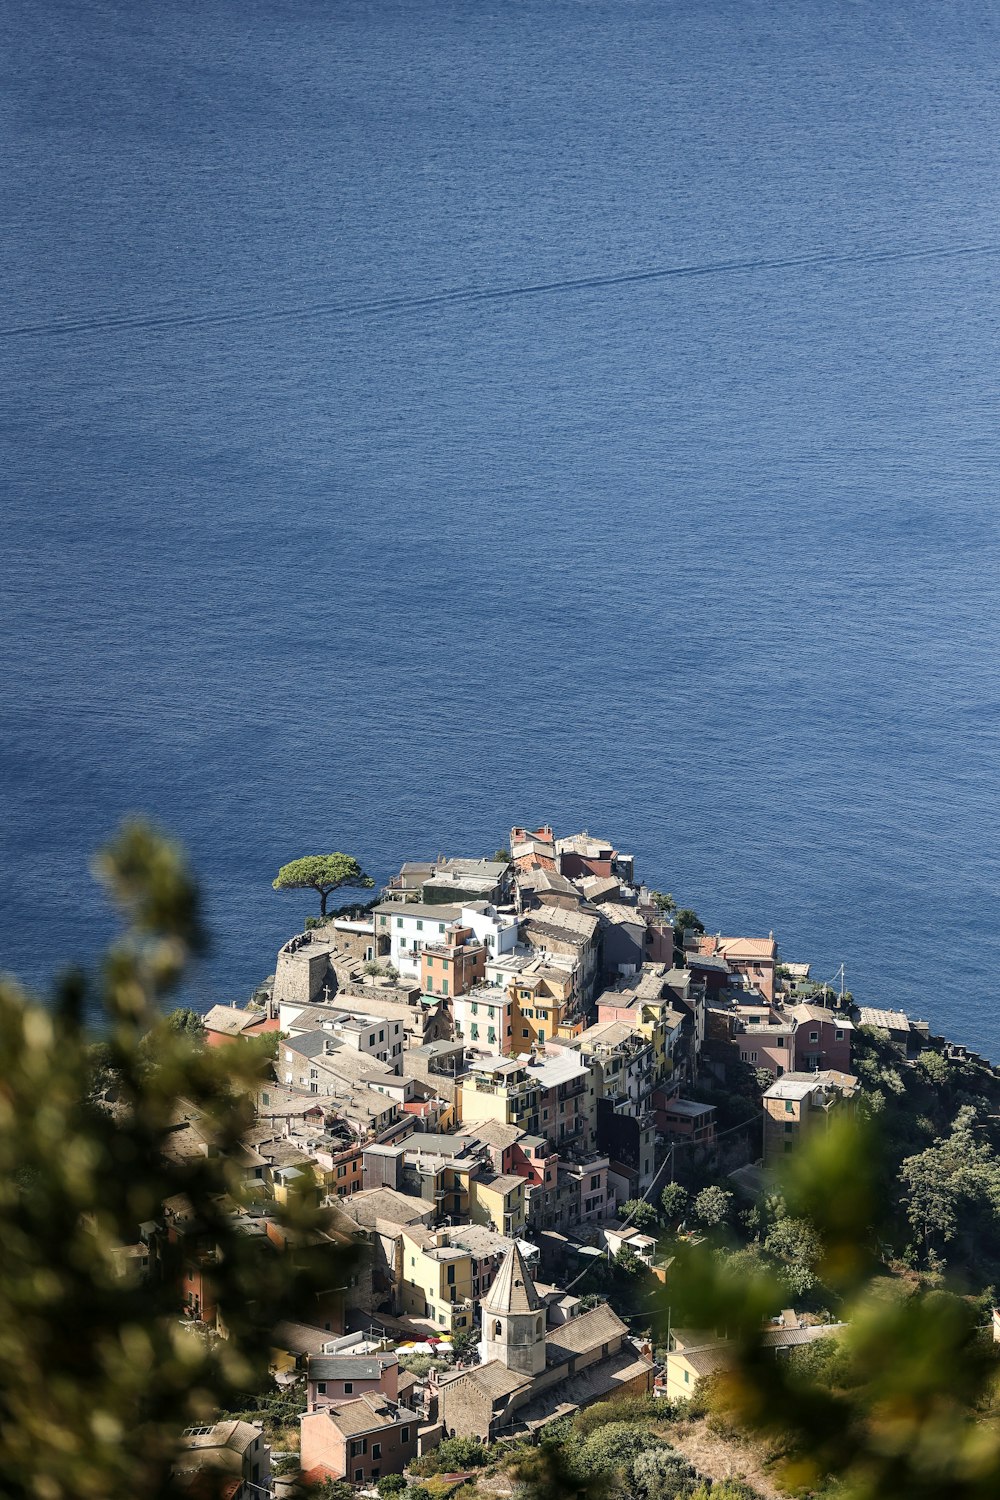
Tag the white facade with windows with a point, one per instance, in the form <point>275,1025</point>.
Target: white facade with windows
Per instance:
<point>403,930</point>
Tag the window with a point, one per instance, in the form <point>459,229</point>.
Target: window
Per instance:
<point>440,927</point>
<point>321,1387</point>
<point>359,1475</point>
<point>420,925</point>
<point>348,1387</point>
<point>491,1035</point>
<point>524,1031</point>
<point>399,921</point>
<point>430,985</point>
<point>405,1435</point>
<point>376,1450</point>
<point>497,1329</point>
<point>789,1126</point>
<point>789,1108</point>
<point>475,1031</point>
<point>687,1378</point>
<point>444,986</point>
<point>371,1040</point>
<point>840,1038</point>
<point>788,1145</point>
<point>383,921</point>
<point>451,1274</point>
<point>475,1007</point>
<point>381,1036</point>
<point>541,1034</point>
<point>814,1036</point>
<point>265,1098</point>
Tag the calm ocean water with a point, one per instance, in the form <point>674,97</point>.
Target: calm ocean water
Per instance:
<point>296,560</point>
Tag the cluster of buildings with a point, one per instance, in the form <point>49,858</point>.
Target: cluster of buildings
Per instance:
<point>477,1073</point>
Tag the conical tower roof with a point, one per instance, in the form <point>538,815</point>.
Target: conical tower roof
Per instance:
<point>513,1290</point>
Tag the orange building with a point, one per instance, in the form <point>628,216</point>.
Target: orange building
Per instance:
<point>454,965</point>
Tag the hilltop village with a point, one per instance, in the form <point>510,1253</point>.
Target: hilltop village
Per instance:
<point>492,1075</point>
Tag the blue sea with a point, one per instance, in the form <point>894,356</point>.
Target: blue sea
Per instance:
<point>301,551</point>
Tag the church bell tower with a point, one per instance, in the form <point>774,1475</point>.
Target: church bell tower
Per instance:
<point>514,1318</point>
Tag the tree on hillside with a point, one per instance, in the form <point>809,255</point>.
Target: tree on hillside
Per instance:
<point>501,856</point>
<point>712,1206</point>
<point>663,901</point>
<point>954,1178</point>
<point>186,1022</point>
<point>673,1202</point>
<point>324,873</point>
<point>639,1214</point>
<point>687,920</point>
<point>100,1373</point>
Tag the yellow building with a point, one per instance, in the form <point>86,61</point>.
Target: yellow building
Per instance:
<point>500,1089</point>
<point>498,1199</point>
<point>435,1280</point>
<point>541,998</point>
<point>685,1367</point>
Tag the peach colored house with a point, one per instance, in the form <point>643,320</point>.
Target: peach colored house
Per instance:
<point>225,1024</point>
<point>360,1440</point>
<point>454,965</point>
<point>754,958</point>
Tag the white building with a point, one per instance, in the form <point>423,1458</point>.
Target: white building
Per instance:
<point>404,930</point>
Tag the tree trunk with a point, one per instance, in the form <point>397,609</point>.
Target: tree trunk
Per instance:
<point>322,900</point>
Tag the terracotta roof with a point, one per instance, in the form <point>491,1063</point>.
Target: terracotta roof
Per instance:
<point>234,1434</point>
<point>385,1203</point>
<point>885,1020</point>
<point>300,1338</point>
<point>367,1414</point>
<point>228,1021</point>
<point>493,1133</point>
<point>493,1379</point>
<point>620,915</point>
<point>513,1290</point>
<point>737,947</point>
<point>604,1378</point>
<point>588,1331</point>
<point>807,1012</point>
<point>573,919</point>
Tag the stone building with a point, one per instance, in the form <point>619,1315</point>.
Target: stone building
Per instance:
<point>532,1374</point>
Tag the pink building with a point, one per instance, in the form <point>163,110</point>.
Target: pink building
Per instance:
<point>334,1378</point>
<point>754,958</point>
<point>360,1440</point>
<point>822,1039</point>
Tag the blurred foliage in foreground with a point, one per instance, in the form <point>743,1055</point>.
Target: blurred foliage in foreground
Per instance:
<point>901,1405</point>
<point>98,1373</point>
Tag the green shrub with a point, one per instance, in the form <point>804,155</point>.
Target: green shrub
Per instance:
<point>613,1448</point>
<point>662,1474</point>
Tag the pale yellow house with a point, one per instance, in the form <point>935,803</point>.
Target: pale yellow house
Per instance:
<point>435,1280</point>
<point>498,1199</point>
<point>502,1089</point>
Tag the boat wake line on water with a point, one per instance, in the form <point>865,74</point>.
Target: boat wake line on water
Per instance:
<point>468,295</point>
